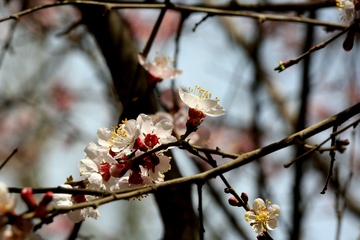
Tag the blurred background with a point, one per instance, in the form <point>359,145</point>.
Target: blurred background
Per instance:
<point>56,90</point>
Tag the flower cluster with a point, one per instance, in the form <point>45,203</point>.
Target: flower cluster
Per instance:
<point>263,217</point>
<point>124,156</point>
<point>121,160</point>
<point>350,7</point>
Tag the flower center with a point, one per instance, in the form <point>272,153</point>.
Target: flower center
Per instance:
<point>161,61</point>
<point>263,217</point>
<point>151,140</point>
<point>118,133</point>
<point>201,93</point>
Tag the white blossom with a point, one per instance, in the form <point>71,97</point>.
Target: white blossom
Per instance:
<point>162,129</point>
<point>200,99</point>
<point>349,9</point>
<point>262,217</point>
<point>120,138</point>
<point>62,200</point>
<point>160,67</point>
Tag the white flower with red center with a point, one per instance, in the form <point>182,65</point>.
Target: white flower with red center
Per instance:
<point>62,200</point>
<point>349,7</point>
<point>120,138</point>
<point>96,167</point>
<point>156,171</point>
<point>154,134</point>
<point>145,170</point>
<point>160,68</point>
<point>200,103</point>
<point>263,217</point>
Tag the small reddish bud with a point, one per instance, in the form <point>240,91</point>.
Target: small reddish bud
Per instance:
<point>262,236</point>
<point>48,197</point>
<point>349,40</point>
<point>196,117</point>
<point>244,197</point>
<point>233,202</point>
<point>28,197</point>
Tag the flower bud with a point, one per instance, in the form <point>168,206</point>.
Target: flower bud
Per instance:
<point>349,40</point>
<point>245,197</point>
<point>233,202</point>
<point>48,197</point>
<point>28,197</point>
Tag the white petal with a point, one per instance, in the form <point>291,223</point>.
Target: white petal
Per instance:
<point>250,216</point>
<point>147,125</point>
<point>164,164</point>
<point>170,73</point>
<point>75,216</point>
<point>93,150</point>
<point>272,224</point>
<point>62,200</point>
<point>258,202</point>
<point>258,228</point>
<point>95,181</point>
<point>163,128</point>
<point>206,104</point>
<point>274,210</point>
<point>93,213</point>
<point>217,111</point>
<point>104,134</point>
<point>87,166</point>
<point>189,99</point>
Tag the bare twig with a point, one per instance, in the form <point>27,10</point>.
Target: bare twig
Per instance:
<point>332,161</point>
<point>213,10</point>
<point>317,147</point>
<point>284,65</point>
<point>201,21</point>
<point>8,158</point>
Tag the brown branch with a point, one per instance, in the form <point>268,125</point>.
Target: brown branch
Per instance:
<point>201,177</point>
<point>8,158</point>
<point>211,10</point>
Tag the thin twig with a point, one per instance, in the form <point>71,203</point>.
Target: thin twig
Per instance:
<point>332,161</point>
<point>317,147</point>
<point>201,21</point>
<point>284,65</point>
<point>8,158</point>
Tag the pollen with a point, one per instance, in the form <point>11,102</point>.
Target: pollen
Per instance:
<point>118,132</point>
<point>339,4</point>
<point>201,93</point>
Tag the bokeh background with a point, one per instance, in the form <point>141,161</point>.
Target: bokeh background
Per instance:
<point>56,91</point>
